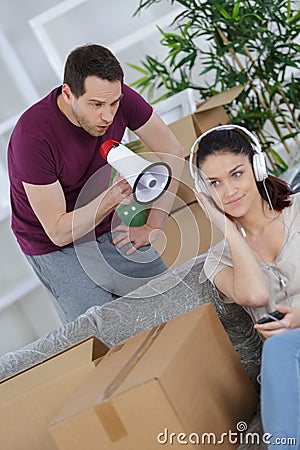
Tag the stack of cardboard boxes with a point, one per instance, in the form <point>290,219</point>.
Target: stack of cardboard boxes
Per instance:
<point>179,383</point>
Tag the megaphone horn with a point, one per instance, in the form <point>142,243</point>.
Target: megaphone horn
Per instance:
<point>148,180</point>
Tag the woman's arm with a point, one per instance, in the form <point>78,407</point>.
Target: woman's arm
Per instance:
<point>245,282</point>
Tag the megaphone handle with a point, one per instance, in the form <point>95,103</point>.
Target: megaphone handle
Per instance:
<point>136,219</point>
<point>112,176</point>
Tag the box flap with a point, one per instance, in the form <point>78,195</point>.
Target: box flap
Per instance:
<point>183,377</point>
<point>212,362</point>
<point>82,353</point>
<point>133,362</point>
<point>116,365</point>
<point>220,99</point>
<point>163,348</point>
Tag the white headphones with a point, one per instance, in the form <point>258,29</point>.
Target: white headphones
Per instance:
<point>259,161</point>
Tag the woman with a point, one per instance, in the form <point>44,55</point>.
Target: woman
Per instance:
<point>280,384</point>
<point>257,263</point>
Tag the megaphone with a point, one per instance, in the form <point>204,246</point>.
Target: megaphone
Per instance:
<point>148,180</point>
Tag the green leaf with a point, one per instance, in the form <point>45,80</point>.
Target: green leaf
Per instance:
<point>138,68</point>
<point>279,160</point>
<point>236,10</point>
<point>224,13</point>
<point>294,19</point>
<point>265,30</point>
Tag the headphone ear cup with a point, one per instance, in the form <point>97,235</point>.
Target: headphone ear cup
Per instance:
<point>260,166</point>
<point>198,186</point>
<point>201,186</point>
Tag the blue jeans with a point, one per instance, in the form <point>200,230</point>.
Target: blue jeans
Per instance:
<point>280,390</point>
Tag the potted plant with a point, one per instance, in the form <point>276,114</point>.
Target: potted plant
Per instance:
<point>253,43</point>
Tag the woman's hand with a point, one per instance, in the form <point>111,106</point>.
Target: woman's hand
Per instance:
<point>290,320</point>
<point>213,211</point>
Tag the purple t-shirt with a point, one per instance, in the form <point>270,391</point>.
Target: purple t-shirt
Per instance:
<point>45,147</point>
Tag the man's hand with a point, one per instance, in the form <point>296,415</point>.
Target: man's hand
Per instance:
<point>120,191</point>
<point>290,320</point>
<point>137,236</point>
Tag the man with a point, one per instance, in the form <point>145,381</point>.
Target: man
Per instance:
<point>62,207</point>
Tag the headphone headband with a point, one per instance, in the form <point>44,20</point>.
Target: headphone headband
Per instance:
<point>262,174</point>
<point>247,133</point>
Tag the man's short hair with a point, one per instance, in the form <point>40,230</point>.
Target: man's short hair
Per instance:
<point>90,60</point>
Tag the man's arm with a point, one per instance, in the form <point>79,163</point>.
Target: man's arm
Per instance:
<point>48,204</point>
<point>159,139</point>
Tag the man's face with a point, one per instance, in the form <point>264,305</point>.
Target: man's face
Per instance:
<point>94,111</point>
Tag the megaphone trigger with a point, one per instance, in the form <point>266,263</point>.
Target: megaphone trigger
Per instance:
<point>148,180</point>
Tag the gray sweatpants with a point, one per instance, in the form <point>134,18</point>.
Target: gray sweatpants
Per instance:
<point>93,273</point>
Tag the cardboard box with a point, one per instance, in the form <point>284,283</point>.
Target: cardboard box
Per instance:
<point>30,399</point>
<point>208,114</point>
<point>187,233</point>
<point>180,377</point>
<point>185,193</point>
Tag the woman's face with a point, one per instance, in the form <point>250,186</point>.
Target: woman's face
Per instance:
<point>230,180</point>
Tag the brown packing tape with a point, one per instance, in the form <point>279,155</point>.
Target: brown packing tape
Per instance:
<point>105,411</point>
<point>124,372</point>
<point>111,421</point>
